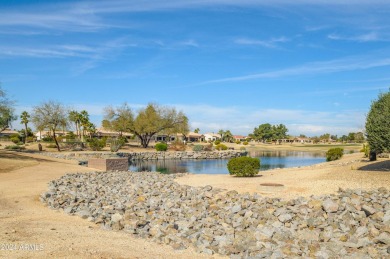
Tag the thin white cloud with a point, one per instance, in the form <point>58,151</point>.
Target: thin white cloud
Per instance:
<point>271,43</point>
<point>90,15</point>
<point>321,67</point>
<point>368,37</point>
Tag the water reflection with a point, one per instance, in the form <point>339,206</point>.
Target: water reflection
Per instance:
<point>269,160</point>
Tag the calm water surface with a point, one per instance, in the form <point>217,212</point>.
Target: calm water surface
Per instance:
<point>269,160</point>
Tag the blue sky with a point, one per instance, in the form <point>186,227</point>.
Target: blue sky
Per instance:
<point>227,64</point>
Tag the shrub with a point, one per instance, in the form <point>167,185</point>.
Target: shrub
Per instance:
<point>51,146</point>
<point>197,148</point>
<point>96,144</point>
<point>245,143</point>
<point>366,150</point>
<point>334,154</point>
<point>217,142</point>
<point>30,139</point>
<point>115,143</point>
<point>178,146</point>
<point>221,147</point>
<point>161,147</point>
<point>15,147</point>
<point>238,142</point>
<point>15,139</point>
<point>47,139</point>
<point>242,148</point>
<point>244,166</point>
<point>209,147</point>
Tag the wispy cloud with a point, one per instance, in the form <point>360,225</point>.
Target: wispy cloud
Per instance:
<point>271,43</point>
<point>368,37</point>
<point>90,15</point>
<point>321,67</point>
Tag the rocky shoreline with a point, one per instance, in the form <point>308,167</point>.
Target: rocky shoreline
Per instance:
<point>84,156</point>
<point>351,224</point>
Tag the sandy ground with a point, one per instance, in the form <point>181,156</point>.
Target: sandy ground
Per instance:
<point>352,171</point>
<point>52,234</point>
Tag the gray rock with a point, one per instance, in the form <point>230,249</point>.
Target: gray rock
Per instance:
<point>384,238</point>
<point>116,217</point>
<point>368,210</point>
<point>84,214</point>
<point>285,218</point>
<point>236,208</point>
<point>330,206</point>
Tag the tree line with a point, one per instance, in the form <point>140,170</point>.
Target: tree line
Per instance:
<point>156,119</point>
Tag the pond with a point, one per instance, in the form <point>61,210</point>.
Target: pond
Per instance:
<point>269,160</point>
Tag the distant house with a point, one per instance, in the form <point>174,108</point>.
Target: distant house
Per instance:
<point>8,133</point>
<point>239,138</point>
<point>212,136</point>
<point>48,133</point>
<point>195,137</point>
<point>102,132</point>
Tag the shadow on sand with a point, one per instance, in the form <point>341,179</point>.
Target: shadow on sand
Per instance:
<point>383,166</point>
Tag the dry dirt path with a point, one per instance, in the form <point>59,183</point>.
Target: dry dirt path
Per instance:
<point>52,234</point>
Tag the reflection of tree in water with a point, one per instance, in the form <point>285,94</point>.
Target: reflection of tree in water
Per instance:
<point>140,166</point>
<point>279,153</point>
<point>264,167</point>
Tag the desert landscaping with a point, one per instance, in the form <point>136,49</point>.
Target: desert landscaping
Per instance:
<point>24,181</point>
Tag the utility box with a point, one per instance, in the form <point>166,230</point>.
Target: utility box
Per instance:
<point>109,164</point>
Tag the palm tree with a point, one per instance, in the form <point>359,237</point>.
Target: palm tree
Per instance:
<point>74,117</point>
<point>84,121</point>
<point>228,136</point>
<point>25,120</point>
<point>196,130</point>
<point>221,132</point>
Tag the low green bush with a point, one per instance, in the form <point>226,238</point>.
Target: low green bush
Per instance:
<point>47,139</point>
<point>96,144</point>
<point>209,147</point>
<point>334,154</point>
<point>244,166</point>
<point>217,142</point>
<point>161,147</point>
<point>238,142</point>
<point>221,147</point>
<point>15,139</point>
<point>366,150</point>
<point>245,143</point>
<point>51,146</point>
<point>15,147</point>
<point>197,148</point>
<point>242,148</point>
<point>115,143</point>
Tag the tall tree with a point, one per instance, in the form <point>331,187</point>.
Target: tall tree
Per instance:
<point>264,132</point>
<point>378,124</point>
<point>6,111</point>
<point>74,116</point>
<point>51,115</point>
<point>25,119</point>
<point>279,132</point>
<point>148,122</point>
<point>196,130</point>
<point>221,133</point>
<point>84,123</point>
<point>228,136</point>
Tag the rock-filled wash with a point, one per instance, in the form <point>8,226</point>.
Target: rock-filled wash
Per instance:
<point>350,224</point>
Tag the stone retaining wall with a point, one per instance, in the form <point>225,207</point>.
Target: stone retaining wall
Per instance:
<point>83,156</point>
